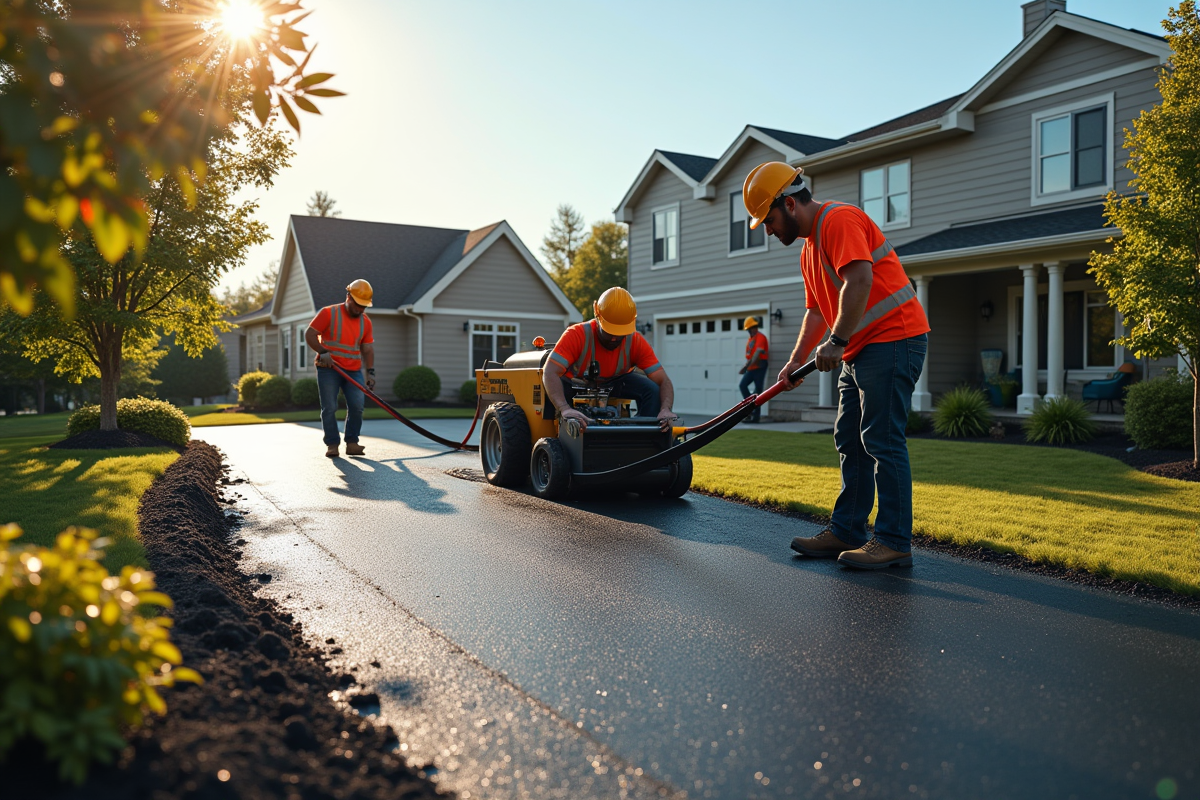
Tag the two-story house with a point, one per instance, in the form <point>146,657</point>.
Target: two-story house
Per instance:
<point>993,199</point>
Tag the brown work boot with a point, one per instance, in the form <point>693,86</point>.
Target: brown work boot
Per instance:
<point>875,555</point>
<point>331,451</point>
<point>355,449</point>
<point>823,545</point>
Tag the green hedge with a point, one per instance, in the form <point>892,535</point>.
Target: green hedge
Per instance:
<point>1158,413</point>
<point>248,387</point>
<point>417,383</point>
<point>154,417</point>
<point>466,392</point>
<point>305,392</point>
<point>274,392</point>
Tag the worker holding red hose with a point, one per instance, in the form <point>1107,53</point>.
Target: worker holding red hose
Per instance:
<point>341,334</point>
<point>864,320</point>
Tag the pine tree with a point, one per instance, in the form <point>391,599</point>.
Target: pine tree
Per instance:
<point>562,242</point>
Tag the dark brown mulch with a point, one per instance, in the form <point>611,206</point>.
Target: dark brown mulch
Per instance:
<point>264,714</point>
<point>1179,470</point>
<point>108,440</point>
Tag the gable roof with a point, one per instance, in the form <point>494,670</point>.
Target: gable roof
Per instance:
<point>791,147</point>
<point>1086,219</point>
<point>683,166</point>
<point>695,166</point>
<point>462,244</point>
<point>262,312</point>
<point>929,112</point>
<point>801,142</point>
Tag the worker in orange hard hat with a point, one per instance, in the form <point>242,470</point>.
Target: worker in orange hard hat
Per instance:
<point>341,334</point>
<point>754,372</point>
<point>863,320</point>
<point>611,341</point>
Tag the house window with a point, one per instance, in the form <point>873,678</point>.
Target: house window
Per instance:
<point>1072,147</point>
<point>1089,328</point>
<point>666,237</point>
<point>492,341</point>
<point>726,324</point>
<point>287,350</point>
<point>741,238</point>
<point>670,330</point>
<point>1101,329</point>
<point>883,192</point>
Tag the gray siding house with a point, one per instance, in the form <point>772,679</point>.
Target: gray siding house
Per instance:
<point>444,298</point>
<point>993,199</point>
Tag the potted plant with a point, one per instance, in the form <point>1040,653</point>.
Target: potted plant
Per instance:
<point>1002,390</point>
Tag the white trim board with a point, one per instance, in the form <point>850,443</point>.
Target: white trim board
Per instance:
<point>623,212</point>
<point>1078,83</point>
<point>1109,102</point>
<point>725,289</point>
<point>1019,246</point>
<point>438,310</point>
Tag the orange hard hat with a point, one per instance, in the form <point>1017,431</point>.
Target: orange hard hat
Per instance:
<point>616,312</point>
<point>751,322</point>
<point>763,185</point>
<point>361,291</point>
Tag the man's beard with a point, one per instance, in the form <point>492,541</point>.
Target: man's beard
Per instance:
<point>354,312</point>
<point>610,345</point>
<point>790,232</point>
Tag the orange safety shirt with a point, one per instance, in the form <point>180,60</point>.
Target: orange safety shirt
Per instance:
<point>841,234</point>
<point>343,335</point>
<point>578,347</point>
<point>756,351</point>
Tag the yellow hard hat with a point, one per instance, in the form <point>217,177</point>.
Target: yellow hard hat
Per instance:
<point>765,183</point>
<point>361,291</point>
<point>751,322</point>
<point>616,312</point>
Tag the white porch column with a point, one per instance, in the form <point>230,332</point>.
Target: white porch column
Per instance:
<point>922,400</point>
<point>1054,334</point>
<point>1029,345</point>
<point>825,388</point>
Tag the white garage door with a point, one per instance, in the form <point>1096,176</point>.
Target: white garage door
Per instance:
<point>703,355</point>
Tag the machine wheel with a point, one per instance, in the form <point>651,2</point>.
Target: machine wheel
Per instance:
<point>549,469</point>
<point>504,445</point>
<point>681,480</point>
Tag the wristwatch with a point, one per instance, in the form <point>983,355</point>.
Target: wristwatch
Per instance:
<point>839,341</point>
<point>370,371</point>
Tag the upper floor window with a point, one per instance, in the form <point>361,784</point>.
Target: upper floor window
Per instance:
<point>666,237</point>
<point>883,192</point>
<point>1072,151</point>
<point>741,238</point>
<point>287,349</point>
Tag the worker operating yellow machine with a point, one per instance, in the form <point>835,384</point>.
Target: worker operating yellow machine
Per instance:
<point>522,437</point>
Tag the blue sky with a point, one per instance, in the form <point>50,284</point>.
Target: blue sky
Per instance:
<point>459,114</point>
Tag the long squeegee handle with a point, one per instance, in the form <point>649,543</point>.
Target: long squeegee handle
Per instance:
<point>798,373</point>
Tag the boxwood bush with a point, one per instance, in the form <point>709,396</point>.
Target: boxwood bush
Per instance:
<point>1158,413</point>
<point>154,417</point>
<point>917,423</point>
<point>1060,420</point>
<point>417,383</point>
<point>78,660</point>
<point>248,387</point>
<point>274,392</point>
<point>306,393</point>
<point>962,412</point>
<point>466,392</point>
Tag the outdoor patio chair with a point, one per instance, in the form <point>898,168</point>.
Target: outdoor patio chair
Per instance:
<point>1110,388</point>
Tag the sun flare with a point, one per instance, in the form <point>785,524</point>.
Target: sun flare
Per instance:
<point>241,19</point>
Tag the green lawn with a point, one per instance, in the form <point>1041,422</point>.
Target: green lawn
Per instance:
<point>45,490</point>
<point>204,416</point>
<point>1064,507</point>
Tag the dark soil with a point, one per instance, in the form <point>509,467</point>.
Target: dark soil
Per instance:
<point>263,720</point>
<point>1179,470</point>
<point>107,440</point>
<point>1113,445</point>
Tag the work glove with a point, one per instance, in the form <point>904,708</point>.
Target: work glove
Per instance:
<point>370,381</point>
<point>324,360</point>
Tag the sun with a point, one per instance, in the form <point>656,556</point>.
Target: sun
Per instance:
<point>241,19</point>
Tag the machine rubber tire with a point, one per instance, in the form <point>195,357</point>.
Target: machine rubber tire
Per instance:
<point>550,469</point>
<point>504,445</point>
<point>682,479</point>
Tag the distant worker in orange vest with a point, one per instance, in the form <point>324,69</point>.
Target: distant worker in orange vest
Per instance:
<point>863,319</point>
<point>755,369</point>
<point>342,335</point>
<point>611,340</point>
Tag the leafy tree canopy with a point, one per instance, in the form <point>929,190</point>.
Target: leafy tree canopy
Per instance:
<point>246,298</point>
<point>601,263</point>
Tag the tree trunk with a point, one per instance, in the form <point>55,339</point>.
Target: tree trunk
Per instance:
<point>1195,415</point>
<point>110,377</point>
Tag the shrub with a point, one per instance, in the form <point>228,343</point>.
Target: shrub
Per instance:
<point>466,393</point>
<point>77,657</point>
<point>306,393</point>
<point>962,412</point>
<point>248,387</point>
<point>154,417</point>
<point>917,423</point>
<point>1158,413</point>
<point>274,392</point>
<point>1060,420</point>
<point>417,383</point>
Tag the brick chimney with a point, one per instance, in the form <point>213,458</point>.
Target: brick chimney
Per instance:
<point>1037,11</point>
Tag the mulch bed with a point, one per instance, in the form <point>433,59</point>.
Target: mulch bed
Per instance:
<point>264,719</point>
<point>108,440</point>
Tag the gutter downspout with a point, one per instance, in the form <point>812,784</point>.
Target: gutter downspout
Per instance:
<point>407,311</point>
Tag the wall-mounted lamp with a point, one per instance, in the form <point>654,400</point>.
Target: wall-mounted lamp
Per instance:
<point>466,327</point>
<point>777,315</point>
<point>985,310</point>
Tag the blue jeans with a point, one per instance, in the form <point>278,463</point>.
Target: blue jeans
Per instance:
<point>630,386</point>
<point>328,383</point>
<point>874,398</point>
<point>756,377</point>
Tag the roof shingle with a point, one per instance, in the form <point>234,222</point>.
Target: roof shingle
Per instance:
<point>1016,229</point>
<point>695,166</point>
